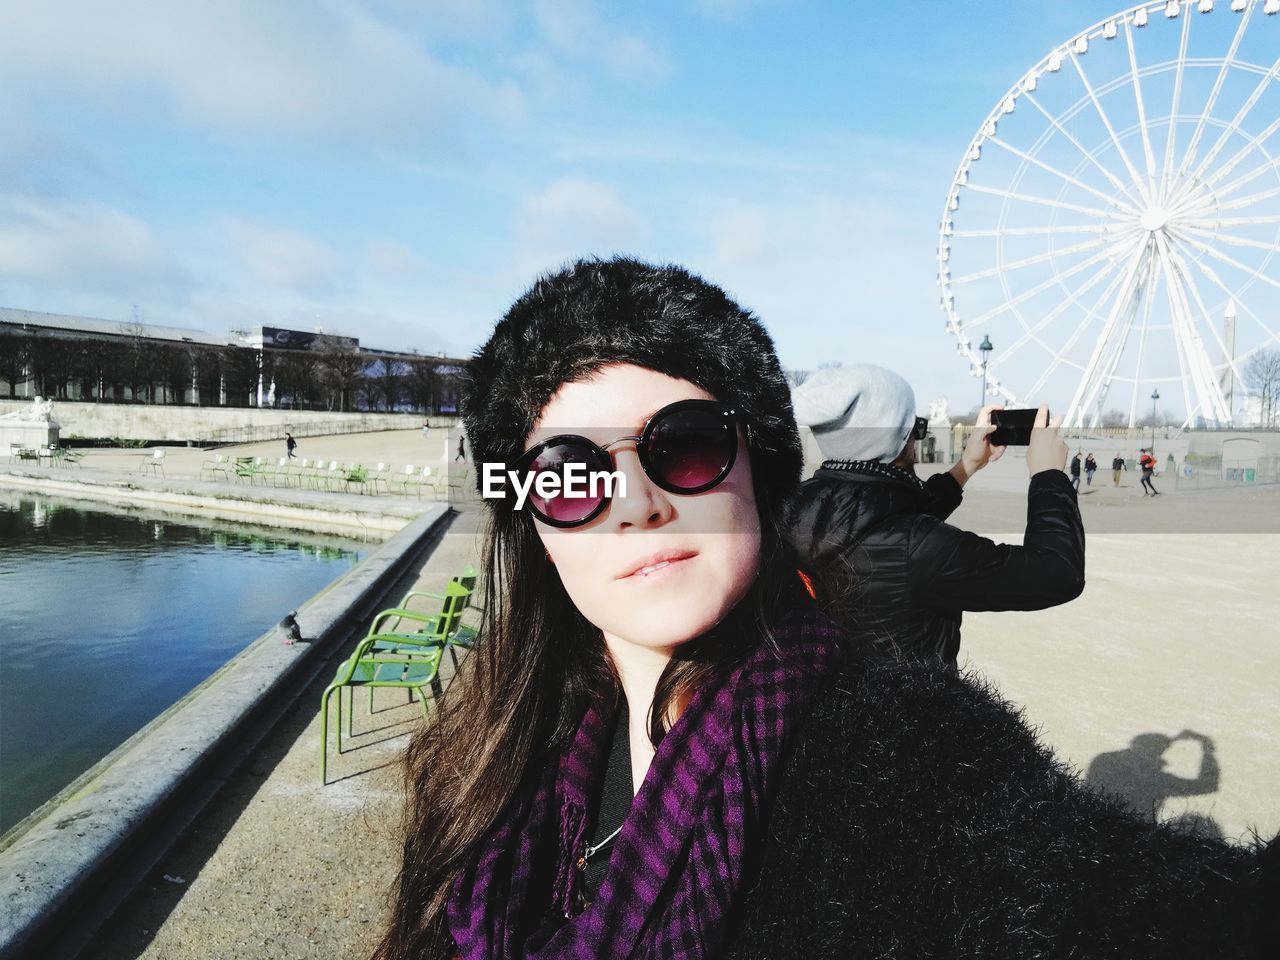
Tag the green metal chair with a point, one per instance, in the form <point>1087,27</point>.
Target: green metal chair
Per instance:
<point>368,668</point>
<point>357,474</point>
<point>448,622</point>
<point>432,630</point>
<point>218,465</point>
<point>246,469</point>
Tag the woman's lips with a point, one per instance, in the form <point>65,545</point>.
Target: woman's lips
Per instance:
<point>661,570</point>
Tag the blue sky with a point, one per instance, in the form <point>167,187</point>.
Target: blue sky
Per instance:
<point>399,171</point>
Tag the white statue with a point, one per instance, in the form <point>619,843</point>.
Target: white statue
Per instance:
<point>40,411</point>
<point>938,410</point>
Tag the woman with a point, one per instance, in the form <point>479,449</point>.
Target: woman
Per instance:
<point>662,748</point>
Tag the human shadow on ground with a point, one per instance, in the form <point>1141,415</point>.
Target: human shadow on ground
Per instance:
<point>1138,776</point>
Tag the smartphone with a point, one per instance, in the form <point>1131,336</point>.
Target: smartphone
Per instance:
<point>1012,427</point>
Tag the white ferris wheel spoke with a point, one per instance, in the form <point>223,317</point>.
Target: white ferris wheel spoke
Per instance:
<point>1153,281</point>
<point>1087,154</point>
<point>1250,200</point>
<point>1179,345</point>
<point>1210,402</point>
<point>1030,333</point>
<point>1189,156</point>
<point>1106,122</point>
<point>1252,175</point>
<point>1037,289</point>
<point>1230,261</point>
<point>1044,201</point>
<point>1065,176</point>
<point>1232,240</point>
<point>1034,231</point>
<point>1173,109</point>
<point>1234,125</point>
<point>1122,300</point>
<point>1188,280</point>
<point>1116,279</point>
<point>1272,336</point>
<point>1148,154</point>
<point>1231,221</point>
<point>1061,355</point>
<point>1030,261</point>
<point>1254,142</point>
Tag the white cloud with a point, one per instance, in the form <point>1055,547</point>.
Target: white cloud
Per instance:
<point>575,29</point>
<point>834,277</point>
<point>392,260</point>
<point>571,218</point>
<point>78,244</point>
<point>282,258</point>
<point>329,67</point>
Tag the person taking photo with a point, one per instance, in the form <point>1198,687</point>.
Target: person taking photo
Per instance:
<point>875,536</point>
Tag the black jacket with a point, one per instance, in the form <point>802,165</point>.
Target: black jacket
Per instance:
<point>918,817</point>
<point>888,568</point>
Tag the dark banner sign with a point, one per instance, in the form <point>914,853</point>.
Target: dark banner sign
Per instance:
<point>283,339</point>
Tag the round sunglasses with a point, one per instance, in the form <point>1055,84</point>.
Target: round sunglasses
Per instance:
<point>686,447</point>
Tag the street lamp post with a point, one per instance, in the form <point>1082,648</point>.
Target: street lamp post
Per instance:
<point>1155,396</point>
<point>986,349</point>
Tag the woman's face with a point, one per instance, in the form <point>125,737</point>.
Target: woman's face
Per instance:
<point>716,534</point>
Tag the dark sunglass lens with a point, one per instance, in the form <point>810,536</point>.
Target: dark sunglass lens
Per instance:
<point>559,508</point>
<point>691,447</point>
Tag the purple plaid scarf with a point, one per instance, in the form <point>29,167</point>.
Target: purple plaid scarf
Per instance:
<point>678,863</point>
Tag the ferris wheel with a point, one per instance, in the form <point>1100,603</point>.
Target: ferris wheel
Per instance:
<point>1111,235</point>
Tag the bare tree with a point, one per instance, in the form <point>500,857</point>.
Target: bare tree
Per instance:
<point>388,377</point>
<point>422,386</point>
<point>1263,374</point>
<point>1115,418</point>
<point>1163,418</point>
<point>297,377</point>
<point>15,354</point>
<point>342,368</point>
<point>239,368</point>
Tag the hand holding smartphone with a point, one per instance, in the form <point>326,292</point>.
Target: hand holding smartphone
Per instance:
<point>1013,427</point>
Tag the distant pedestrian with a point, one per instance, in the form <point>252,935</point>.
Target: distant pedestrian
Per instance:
<point>1117,468</point>
<point>426,430</point>
<point>1075,471</point>
<point>290,445</point>
<point>1090,468</point>
<point>462,447</point>
<point>1148,464</point>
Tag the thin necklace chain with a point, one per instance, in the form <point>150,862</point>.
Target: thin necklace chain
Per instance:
<point>592,851</point>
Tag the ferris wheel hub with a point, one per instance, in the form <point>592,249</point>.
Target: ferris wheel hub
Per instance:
<point>1155,219</point>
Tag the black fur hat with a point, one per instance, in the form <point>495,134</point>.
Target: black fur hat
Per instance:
<point>597,312</point>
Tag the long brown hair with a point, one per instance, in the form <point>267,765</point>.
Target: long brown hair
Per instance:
<point>517,699</point>
<point>525,687</point>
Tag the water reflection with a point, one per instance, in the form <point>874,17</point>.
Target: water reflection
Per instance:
<point>108,617</point>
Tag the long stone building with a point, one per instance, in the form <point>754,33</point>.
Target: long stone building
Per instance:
<point>86,358</point>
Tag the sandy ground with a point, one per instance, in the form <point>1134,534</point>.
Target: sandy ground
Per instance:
<point>1175,632</point>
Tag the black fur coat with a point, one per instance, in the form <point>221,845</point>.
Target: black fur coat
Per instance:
<point>918,817</point>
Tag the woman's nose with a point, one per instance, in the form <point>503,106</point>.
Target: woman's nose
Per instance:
<point>645,503</point>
